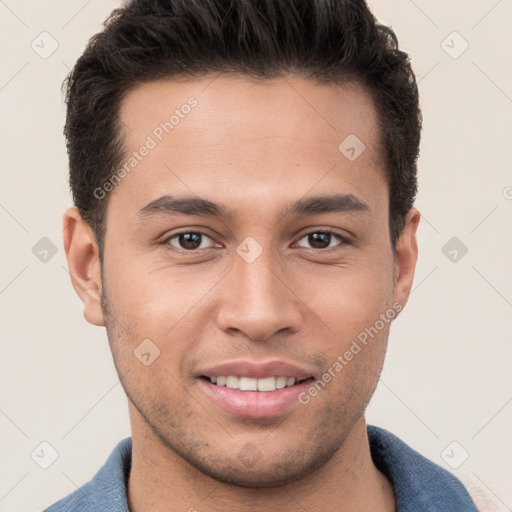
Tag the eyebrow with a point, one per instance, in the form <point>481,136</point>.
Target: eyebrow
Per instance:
<point>173,205</point>
<point>346,203</point>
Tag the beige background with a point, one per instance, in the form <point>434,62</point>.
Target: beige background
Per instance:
<point>447,375</point>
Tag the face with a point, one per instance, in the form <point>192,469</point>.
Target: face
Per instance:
<point>245,251</point>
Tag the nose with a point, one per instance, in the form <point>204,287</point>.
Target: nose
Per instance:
<point>258,300</point>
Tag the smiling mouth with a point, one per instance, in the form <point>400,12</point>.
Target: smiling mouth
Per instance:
<point>265,384</point>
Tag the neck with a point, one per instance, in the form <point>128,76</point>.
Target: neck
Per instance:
<point>160,480</point>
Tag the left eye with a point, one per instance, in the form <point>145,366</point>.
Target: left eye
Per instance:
<point>320,240</point>
<point>189,241</point>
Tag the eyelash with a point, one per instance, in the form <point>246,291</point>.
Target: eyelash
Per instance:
<point>189,251</point>
<point>342,240</point>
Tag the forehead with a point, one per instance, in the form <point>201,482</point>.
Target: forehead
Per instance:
<point>292,105</point>
<point>243,133</point>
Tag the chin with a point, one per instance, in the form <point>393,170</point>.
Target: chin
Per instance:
<point>257,465</point>
<point>273,474</point>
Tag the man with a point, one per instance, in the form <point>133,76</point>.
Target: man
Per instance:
<point>244,174</point>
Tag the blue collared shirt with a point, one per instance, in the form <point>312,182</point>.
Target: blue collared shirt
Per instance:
<point>419,484</point>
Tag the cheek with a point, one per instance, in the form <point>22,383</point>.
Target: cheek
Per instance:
<point>348,298</point>
<point>166,306</point>
<point>159,298</point>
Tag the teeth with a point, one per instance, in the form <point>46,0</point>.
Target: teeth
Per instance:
<point>281,382</point>
<point>247,384</point>
<point>250,384</point>
<point>267,384</point>
<point>232,382</point>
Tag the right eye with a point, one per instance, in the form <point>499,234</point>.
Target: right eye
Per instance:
<point>189,240</point>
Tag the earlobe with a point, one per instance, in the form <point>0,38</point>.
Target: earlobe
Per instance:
<point>83,264</point>
<point>406,256</point>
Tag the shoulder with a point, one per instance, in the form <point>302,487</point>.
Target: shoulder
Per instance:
<point>107,490</point>
<point>420,485</point>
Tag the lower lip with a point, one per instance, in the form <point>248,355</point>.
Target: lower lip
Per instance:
<point>254,404</point>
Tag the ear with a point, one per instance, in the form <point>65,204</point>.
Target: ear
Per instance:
<point>82,253</point>
<point>406,255</point>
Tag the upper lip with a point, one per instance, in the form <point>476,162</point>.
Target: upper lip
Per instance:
<point>256,370</point>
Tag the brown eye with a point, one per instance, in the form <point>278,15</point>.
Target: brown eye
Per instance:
<point>189,241</point>
<point>320,240</point>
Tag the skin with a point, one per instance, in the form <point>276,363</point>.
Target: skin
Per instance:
<point>255,147</point>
